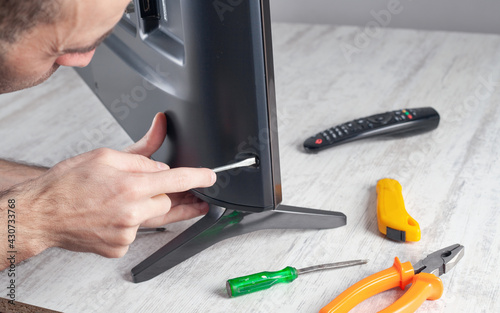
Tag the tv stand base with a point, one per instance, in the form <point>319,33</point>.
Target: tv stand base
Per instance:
<point>221,223</point>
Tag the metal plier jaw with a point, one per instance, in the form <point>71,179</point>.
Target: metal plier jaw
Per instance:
<point>423,277</point>
<point>441,261</point>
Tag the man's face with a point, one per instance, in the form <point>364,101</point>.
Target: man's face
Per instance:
<point>70,41</point>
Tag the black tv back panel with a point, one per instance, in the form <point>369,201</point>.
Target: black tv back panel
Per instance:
<point>207,68</point>
<point>208,65</point>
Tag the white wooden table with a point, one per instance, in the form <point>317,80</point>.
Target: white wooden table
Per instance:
<point>450,178</point>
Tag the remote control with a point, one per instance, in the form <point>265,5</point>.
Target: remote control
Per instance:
<point>399,122</point>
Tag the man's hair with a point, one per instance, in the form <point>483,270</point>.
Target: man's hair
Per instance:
<point>19,16</point>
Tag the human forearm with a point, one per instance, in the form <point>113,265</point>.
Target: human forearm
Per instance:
<point>96,201</point>
<point>14,185</point>
<point>12,173</point>
<point>21,231</point>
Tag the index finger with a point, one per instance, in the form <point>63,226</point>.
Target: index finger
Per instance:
<point>179,179</point>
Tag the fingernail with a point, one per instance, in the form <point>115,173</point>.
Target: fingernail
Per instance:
<point>162,166</point>
<point>214,177</point>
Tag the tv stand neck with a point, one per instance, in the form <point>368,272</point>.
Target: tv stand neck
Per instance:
<point>221,223</point>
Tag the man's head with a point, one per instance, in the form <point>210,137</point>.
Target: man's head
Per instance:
<point>37,36</point>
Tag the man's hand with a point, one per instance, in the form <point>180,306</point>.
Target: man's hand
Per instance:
<point>184,205</point>
<point>96,201</point>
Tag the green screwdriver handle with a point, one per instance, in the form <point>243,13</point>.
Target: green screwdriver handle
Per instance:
<point>259,281</point>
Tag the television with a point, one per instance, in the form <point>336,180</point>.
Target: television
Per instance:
<point>208,65</point>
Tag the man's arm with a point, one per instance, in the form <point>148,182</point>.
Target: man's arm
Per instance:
<point>96,201</point>
<point>18,233</point>
<point>12,173</point>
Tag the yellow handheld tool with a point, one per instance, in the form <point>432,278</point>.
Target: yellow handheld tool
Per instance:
<point>393,220</point>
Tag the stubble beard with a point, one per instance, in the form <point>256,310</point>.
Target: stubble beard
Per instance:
<point>9,82</point>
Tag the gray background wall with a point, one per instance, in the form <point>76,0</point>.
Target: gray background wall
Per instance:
<point>452,15</point>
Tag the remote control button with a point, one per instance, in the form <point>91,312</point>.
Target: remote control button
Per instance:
<point>326,136</point>
<point>408,114</point>
<point>383,118</point>
<point>354,127</point>
<point>361,124</point>
<point>316,142</point>
<point>344,129</point>
<point>332,134</point>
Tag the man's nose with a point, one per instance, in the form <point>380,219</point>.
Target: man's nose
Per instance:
<point>75,59</point>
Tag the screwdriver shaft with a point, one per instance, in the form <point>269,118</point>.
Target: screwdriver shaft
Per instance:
<point>330,266</point>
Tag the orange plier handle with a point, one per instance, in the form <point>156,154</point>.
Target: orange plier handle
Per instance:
<point>424,287</point>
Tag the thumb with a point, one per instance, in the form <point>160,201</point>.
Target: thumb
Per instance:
<point>153,139</point>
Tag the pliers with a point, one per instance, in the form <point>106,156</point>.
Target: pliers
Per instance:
<point>423,276</point>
